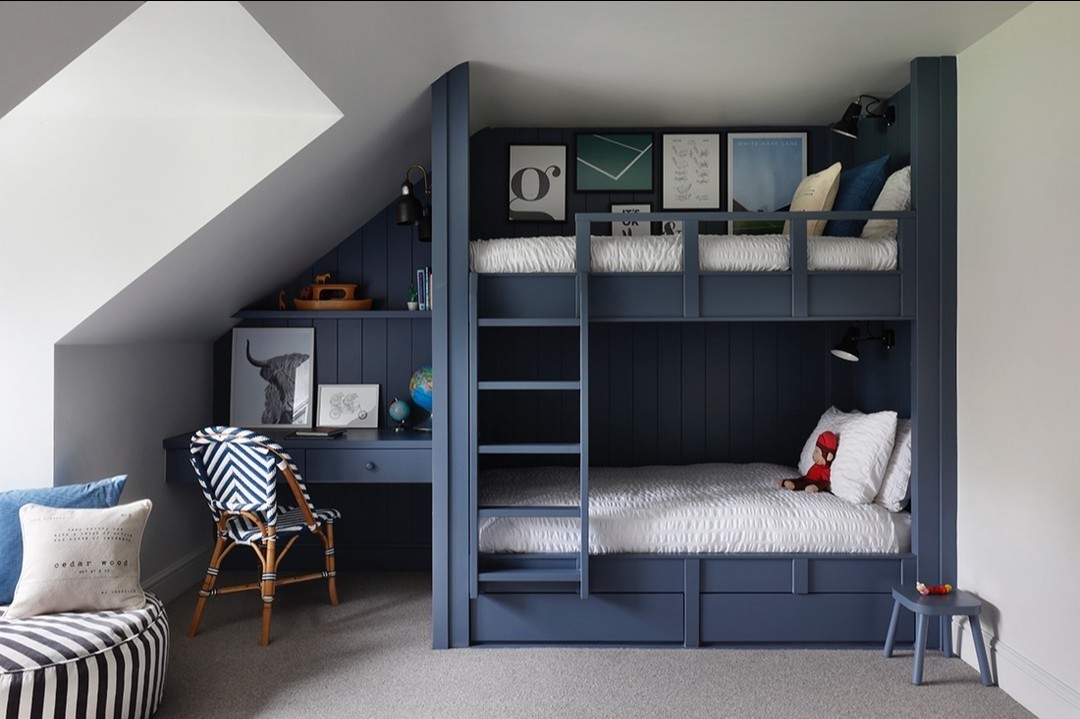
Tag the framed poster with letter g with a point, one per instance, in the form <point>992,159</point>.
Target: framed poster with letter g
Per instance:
<point>537,183</point>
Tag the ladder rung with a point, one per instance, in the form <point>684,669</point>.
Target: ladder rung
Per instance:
<point>529,449</point>
<point>528,322</point>
<point>530,511</point>
<point>531,575</point>
<point>541,385</point>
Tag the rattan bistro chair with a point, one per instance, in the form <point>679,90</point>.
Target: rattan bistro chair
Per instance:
<point>237,470</point>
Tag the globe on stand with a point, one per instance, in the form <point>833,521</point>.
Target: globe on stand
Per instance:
<point>420,391</point>
<point>399,412</point>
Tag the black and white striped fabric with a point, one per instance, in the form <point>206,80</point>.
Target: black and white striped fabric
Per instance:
<point>237,470</point>
<point>84,664</point>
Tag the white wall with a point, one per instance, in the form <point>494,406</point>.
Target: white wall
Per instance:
<point>116,161</point>
<point>1018,347</point>
<point>115,404</point>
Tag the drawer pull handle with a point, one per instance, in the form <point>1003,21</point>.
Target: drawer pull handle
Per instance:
<point>369,466</point>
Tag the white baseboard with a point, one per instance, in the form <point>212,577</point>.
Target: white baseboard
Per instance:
<point>178,577</point>
<point>1039,691</point>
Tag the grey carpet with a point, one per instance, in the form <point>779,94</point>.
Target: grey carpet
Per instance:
<point>371,657</point>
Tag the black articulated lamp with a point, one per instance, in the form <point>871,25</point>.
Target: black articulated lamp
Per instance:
<point>848,124</point>
<point>410,211</point>
<point>848,347</point>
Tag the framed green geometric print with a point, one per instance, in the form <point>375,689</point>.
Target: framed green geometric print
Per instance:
<point>614,162</point>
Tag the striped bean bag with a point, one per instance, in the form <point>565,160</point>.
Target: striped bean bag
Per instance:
<point>84,664</point>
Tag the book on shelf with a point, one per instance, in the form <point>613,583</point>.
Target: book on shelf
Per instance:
<point>317,432</point>
<point>423,287</point>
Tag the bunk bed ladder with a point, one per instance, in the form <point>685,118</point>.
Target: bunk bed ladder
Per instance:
<point>539,571</point>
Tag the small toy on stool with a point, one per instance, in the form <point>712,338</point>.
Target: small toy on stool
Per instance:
<point>933,589</point>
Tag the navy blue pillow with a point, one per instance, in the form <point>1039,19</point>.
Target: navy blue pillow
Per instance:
<point>95,495</point>
<point>859,189</point>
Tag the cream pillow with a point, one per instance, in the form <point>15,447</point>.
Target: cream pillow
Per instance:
<point>865,445</point>
<point>895,197</point>
<point>77,560</point>
<point>896,484</point>
<point>816,193</point>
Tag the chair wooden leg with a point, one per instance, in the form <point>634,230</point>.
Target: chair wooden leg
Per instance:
<point>269,578</point>
<point>331,572</point>
<point>208,584</point>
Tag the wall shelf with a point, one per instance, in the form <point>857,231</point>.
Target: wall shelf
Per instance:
<point>332,315</point>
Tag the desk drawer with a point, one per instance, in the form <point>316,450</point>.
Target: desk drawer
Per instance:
<point>383,466</point>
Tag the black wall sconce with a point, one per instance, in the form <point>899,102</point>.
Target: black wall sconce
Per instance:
<point>848,124</point>
<point>848,347</point>
<point>409,209</point>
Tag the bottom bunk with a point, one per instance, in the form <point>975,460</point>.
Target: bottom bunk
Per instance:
<point>697,555</point>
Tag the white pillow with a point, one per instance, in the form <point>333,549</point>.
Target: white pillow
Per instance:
<point>79,560</point>
<point>895,197</point>
<point>816,193</point>
<point>895,486</point>
<point>865,444</point>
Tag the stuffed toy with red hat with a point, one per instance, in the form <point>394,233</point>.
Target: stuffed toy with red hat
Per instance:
<point>817,477</point>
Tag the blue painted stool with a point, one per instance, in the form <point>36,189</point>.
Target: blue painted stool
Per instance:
<point>937,605</point>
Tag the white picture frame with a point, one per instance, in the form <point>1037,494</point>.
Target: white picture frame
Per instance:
<point>631,227</point>
<point>349,405</point>
<point>537,183</point>
<point>691,171</point>
<point>272,377</point>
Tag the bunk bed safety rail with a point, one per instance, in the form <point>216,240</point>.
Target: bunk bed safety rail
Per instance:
<point>799,276</point>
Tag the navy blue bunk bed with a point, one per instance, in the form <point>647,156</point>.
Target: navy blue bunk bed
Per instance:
<point>518,348</point>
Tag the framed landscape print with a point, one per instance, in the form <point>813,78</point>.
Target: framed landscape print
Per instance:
<point>272,372</point>
<point>691,172</point>
<point>614,162</point>
<point>537,183</point>
<point>764,170</point>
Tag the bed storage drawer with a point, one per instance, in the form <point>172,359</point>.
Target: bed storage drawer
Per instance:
<point>385,466</point>
<point>797,618</point>
<point>553,618</point>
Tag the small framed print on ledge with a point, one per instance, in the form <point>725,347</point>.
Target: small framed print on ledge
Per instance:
<point>349,405</point>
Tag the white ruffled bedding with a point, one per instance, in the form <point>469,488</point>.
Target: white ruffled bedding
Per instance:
<point>663,253</point>
<point>688,509</point>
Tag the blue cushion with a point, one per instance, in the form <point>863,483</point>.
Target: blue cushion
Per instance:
<point>859,188</point>
<point>94,495</point>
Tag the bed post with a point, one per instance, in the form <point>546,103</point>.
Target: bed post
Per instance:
<point>450,358</point>
<point>933,193</point>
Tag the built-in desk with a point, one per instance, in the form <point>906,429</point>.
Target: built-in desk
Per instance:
<point>360,456</point>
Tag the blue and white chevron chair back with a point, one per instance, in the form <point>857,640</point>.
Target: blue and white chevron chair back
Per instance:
<point>237,470</point>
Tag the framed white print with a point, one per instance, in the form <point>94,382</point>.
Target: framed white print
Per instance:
<point>764,170</point>
<point>348,405</point>
<point>631,227</point>
<point>537,183</point>
<point>272,373</point>
<point>691,172</point>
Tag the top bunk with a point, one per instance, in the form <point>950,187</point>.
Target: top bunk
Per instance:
<point>552,228</point>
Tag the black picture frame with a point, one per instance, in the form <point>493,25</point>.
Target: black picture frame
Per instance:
<point>536,183</point>
<point>614,162</point>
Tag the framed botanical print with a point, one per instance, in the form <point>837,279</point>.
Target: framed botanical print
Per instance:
<point>692,172</point>
<point>537,183</point>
